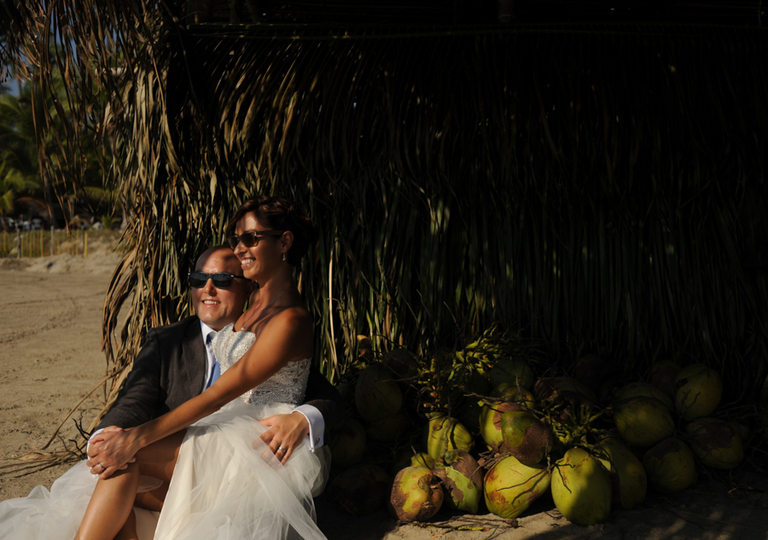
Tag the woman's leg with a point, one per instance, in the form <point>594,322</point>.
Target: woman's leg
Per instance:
<point>112,501</point>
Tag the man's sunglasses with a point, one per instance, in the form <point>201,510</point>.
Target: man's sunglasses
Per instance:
<point>251,238</point>
<point>221,280</point>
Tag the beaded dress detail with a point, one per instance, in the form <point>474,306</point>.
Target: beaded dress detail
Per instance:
<point>286,386</point>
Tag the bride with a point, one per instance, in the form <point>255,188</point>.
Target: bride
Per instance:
<point>224,481</point>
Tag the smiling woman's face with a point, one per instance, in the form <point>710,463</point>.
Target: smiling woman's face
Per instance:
<point>261,259</point>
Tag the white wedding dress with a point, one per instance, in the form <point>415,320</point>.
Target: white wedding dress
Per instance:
<point>227,484</point>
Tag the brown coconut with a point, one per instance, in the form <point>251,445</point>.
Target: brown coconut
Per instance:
<point>416,494</point>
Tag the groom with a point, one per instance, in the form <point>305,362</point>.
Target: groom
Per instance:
<point>175,365</point>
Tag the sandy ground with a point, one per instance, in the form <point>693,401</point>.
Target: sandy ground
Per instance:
<point>50,357</point>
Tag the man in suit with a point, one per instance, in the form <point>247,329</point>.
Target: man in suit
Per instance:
<point>175,364</point>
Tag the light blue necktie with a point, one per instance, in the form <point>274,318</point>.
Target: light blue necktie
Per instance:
<point>216,369</point>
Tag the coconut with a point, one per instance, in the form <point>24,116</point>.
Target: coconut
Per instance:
<point>361,490</point>
<point>525,436</point>
<point>640,388</point>
<point>422,459</point>
<point>564,388</point>
<point>698,390</point>
<point>462,480</point>
<point>401,362</point>
<point>643,421</point>
<point>446,433</point>
<point>490,421</point>
<point>513,398</point>
<point>347,443</point>
<point>670,466</point>
<point>514,371</point>
<point>514,394</point>
<point>715,442</point>
<point>416,494</point>
<point>628,479</point>
<point>581,488</point>
<point>589,370</point>
<point>387,429</point>
<point>663,375</point>
<point>510,487</point>
<point>377,395</point>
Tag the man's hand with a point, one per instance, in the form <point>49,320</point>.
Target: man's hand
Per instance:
<point>105,447</point>
<point>286,432</point>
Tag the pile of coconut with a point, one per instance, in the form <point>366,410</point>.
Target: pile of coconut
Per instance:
<point>489,435</point>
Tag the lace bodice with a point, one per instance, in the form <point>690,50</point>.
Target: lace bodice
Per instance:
<point>285,386</point>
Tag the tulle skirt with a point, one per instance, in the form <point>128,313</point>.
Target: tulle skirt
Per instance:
<point>56,514</point>
<point>227,485</point>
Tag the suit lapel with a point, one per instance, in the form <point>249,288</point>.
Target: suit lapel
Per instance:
<point>194,358</point>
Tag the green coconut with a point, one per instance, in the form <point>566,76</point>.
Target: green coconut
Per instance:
<point>640,388</point>
<point>525,436</point>
<point>513,398</point>
<point>514,371</point>
<point>643,421</point>
<point>510,487</point>
<point>490,421</point>
<point>565,389</point>
<point>581,488</point>
<point>628,479</point>
<point>670,466</point>
<point>377,395</point>
<point>698,390</point>
<point>422,459</point>
<point>514,394</point>
<point>590,370</point>
<point>663,376</point>
<point>347,443</point>
<point>446,433</point>
<point>416,494</point>
<point>462,480</point>
<point>361,490</point>
<point>400,362</point>
<point>715,442</point>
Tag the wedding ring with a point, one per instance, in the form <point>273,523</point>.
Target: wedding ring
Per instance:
<point>103,468</point>
<point>280,449</point>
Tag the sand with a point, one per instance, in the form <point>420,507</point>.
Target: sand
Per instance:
<point>50,357</point>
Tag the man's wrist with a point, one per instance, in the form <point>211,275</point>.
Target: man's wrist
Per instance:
<point>316,425</point>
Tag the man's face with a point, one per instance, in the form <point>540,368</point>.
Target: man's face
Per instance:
<point>219,307</point>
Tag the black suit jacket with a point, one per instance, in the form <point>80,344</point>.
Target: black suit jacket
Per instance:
<point>171,368</point>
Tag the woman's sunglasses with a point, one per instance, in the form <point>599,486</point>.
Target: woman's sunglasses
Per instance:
<point>221,280</point>
<point>251,238</point>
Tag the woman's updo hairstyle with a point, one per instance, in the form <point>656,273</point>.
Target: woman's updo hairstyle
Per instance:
<point>281,214</point>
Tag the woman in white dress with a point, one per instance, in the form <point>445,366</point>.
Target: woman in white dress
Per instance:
<point>224,481</point>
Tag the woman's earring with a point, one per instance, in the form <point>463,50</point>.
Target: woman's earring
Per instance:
<point>283,256</point>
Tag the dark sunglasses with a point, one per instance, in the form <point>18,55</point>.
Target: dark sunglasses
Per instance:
<point>251,238</point>
<point>221,280</point>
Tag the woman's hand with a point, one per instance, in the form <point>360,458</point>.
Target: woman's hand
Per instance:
<point>286,432</point>
<point>111,450</point>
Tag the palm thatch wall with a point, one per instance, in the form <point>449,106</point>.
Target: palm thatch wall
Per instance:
<point>598,188</point>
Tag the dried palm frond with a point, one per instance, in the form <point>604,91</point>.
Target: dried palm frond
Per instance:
<point>590,186</point>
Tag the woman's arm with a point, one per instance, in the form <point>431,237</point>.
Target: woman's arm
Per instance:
<point>286,337</point>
